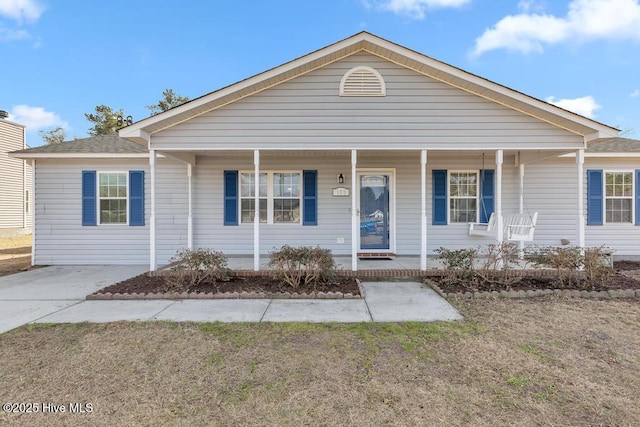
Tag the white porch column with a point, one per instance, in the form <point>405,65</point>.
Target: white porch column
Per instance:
<point>33,211</point>
<point>152,218</point>
<point>355,217</point>
<point>423,210</point>
<point>190,212</point>
<point>499,219</point>
<point>581,221</point>
<point>521,210</point>
<point>256,217</point>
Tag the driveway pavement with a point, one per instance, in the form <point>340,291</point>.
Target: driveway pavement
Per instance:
<point>57,295</point>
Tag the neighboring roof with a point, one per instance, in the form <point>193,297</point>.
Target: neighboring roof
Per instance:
<point>95,145</point>
<point>12,123</point>
<point>614,145</point>
<point>374,45</point>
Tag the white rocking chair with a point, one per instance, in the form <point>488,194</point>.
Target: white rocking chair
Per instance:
<point>517,228</point>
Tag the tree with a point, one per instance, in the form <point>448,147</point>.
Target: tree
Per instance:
<point>105,120</point>
<point>170,99</point>
<point>53,136</point>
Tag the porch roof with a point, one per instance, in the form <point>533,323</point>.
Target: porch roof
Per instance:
<point>367,42</point>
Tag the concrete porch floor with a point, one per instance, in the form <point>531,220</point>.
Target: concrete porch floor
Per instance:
<point>400,262</point>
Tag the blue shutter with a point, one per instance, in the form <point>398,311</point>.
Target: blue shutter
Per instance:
<point>594,197</point>
<point>136,198</point>
<point>486,194</point>
<point>89,198</point>
<point>310,197</point>
<point>439,197</point>
<point>637,184</point>
<point>230,197</point>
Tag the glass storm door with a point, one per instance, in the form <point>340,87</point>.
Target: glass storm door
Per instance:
<point>374,211</point>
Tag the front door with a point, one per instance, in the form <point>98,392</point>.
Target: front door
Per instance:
<point>375,211</point>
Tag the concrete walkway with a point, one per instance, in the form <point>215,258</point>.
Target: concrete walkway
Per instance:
<point>57,295</point>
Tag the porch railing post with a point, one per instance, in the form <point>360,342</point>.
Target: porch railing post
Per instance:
<point>355,227</point>
<point>423,210</point>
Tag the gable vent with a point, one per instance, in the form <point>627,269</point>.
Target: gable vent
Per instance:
<point>362,81</point>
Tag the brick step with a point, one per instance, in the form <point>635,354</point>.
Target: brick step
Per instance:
<point>374,255</point>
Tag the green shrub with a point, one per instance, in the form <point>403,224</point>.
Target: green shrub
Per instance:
<point>194,267</point>
<point>457,259</point>
<point>302,265</point>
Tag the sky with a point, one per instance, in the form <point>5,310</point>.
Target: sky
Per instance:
<point>59,59</point>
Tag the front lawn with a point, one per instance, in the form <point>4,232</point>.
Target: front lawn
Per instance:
<point>541,361</point>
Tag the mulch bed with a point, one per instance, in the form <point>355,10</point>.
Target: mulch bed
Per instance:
<point>250,286</point>
<point>625,276</point>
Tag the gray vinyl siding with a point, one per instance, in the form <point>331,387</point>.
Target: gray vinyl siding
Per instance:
<point>624,238</point>
<point>418,112</point>
<point>172,208</point>
<point>12,178</point>
<point>60,237</point>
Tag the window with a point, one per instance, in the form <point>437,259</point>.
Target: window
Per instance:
<point>247,197</point>
<point>619,197</point>
<point>463,196</point>
<point>286,197</point>
<point>279,197</point>
<point>112,192</point>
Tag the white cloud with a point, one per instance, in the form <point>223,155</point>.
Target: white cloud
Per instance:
<point>635,93</point>
<point>585,106</point>
<point>7,35</point>
<point>36,118</point>
<point>527,5</point>
<point>21,10</point>
<point>414,8</point>
<point>586,19</point>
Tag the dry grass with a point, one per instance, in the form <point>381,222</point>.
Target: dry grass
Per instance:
<point>530,362</point>
<point>15,254</point>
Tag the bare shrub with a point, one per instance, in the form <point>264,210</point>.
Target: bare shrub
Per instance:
<point>592,262</point>
<point>302,265</point>
<point>561,259</point>
<point>197,266</point>
<point>595,263</point>
<point>499,264</point>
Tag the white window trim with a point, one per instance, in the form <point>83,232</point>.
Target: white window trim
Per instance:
<point>477,173</point>
<point>98,198</point>
<point>605,197</point>
<point>270,198</point>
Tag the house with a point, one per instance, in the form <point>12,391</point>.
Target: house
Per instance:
<point>15,181</point>
<point>362,130</point>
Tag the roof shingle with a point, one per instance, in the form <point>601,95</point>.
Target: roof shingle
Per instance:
<point>94,144</point>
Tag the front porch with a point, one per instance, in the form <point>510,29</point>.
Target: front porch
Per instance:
<point>417,217</point>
